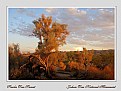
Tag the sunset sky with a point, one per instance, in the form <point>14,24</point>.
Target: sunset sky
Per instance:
<point>93,28</point>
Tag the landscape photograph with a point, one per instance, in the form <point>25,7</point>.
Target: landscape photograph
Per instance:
<point>61,43</point>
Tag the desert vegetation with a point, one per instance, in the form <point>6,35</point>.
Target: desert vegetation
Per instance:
<point>48,63</point>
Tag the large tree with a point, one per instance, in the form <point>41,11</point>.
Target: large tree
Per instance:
<point>51,34</point>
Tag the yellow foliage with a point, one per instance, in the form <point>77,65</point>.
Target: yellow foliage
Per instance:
<point>73,65</point>
<point>62,65</point>
<point>94,69</point>
<point>109,71</point>
<point>82,58</point>
<point>53,34</point>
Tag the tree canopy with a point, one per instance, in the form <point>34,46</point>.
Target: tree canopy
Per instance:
<point>51,34</point>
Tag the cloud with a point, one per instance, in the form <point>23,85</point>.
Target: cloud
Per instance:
<point>87,25</point>
<point>76,12</point>
<point>50,10</point>
<point>23,29</point>
<point>78,41</point>
<point>26,12</point>
<point>21,21</point>
<point>105,18</point>
<point>106,45</point>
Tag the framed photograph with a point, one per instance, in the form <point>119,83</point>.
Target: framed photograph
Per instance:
<point>60,45</point>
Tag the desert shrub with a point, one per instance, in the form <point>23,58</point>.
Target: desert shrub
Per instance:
<point>73,65</point>
<point>62,66</point>
<point>94,69</point>
<point>108,72</point>
<point>82,60</point>
<point>103,58</point>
